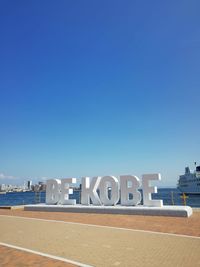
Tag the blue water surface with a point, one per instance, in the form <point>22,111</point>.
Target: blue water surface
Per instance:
<point>169,198</point>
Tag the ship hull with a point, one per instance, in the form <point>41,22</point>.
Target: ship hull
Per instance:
<point>190,189</point>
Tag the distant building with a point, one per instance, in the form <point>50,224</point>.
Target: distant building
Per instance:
<point>42,186</point>
<point>29,185</point>
<point>3,187</point>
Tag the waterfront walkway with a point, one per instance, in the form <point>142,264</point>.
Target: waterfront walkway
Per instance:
<point>122,241</point>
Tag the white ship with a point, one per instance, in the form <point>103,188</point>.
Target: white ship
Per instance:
<point>189,183</point>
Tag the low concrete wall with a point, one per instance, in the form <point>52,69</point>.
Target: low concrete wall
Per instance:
<point>12,207</point>
<point>175,211</point>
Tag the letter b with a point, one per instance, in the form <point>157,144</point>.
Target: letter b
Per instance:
<point>130,185</point>
<point>53,191</point>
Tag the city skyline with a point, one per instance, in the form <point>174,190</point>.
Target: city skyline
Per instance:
<point>99,88</point>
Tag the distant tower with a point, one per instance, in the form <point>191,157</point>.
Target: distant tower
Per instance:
<point>29,184</point>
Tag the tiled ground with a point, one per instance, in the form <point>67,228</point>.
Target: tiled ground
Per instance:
<point>104,246</point>
<point>10,257</point>
<point>177,225</point>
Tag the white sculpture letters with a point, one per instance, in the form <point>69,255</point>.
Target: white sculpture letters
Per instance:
<point>109,182</point>
<point>89,191</point>
<point>147,190</point>
<point>130,185</point>
<point>65,191</point>
<point>53,187</point>
<point>104,191</point>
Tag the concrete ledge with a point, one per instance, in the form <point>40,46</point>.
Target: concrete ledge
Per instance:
<point>21,207</point>
<point>175,211</point>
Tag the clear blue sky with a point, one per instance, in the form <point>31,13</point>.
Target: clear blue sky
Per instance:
<point>99,87</point>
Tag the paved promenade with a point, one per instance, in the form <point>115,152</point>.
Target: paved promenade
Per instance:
<point>70,237</point>
<point>10,257</point>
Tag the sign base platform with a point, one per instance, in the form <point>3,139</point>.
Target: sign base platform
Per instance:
<point>174,211</point>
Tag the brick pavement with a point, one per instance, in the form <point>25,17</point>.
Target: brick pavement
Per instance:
<point>106,246</point>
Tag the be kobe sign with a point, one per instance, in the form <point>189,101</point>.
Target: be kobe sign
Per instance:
<point>107,191</point>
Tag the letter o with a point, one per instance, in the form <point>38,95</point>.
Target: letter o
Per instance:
<point>105,183</point>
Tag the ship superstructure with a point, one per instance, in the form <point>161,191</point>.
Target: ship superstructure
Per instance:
<point>189,182</point>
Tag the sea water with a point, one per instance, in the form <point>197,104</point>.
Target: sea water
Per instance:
<point>170,196</point>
